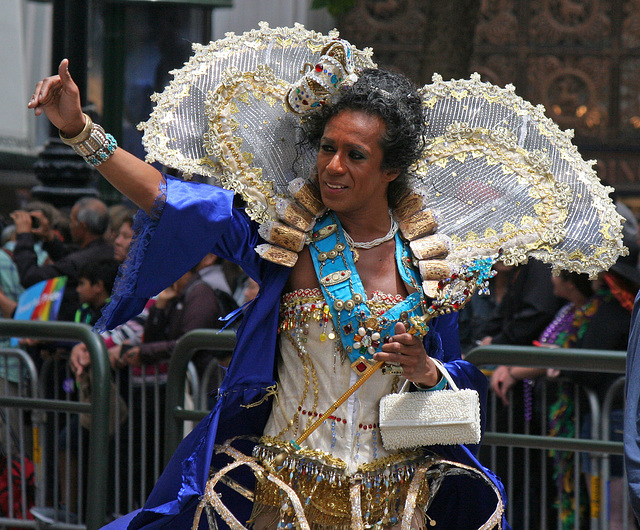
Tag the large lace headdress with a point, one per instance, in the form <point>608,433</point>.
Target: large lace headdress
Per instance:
<point>498,178</point>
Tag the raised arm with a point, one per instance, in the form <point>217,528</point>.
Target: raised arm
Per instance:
<point>58,97</point>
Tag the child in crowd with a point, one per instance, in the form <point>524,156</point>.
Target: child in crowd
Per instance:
<point>95,282</point>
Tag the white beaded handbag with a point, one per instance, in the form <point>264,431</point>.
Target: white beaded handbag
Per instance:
<point>440,417</point>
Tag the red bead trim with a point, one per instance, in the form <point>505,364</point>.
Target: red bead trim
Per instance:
<point>315,414</point>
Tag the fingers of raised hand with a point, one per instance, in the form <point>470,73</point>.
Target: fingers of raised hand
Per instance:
<point>501,382</point>
<point>50,90</point>
<point>22,221</point>
<point>33,102</point>
<point>44,227</point>
<point>498,376</point>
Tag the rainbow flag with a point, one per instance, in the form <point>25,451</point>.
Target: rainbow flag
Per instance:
<point>42,300</point>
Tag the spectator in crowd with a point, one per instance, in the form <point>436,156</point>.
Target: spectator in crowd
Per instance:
<point>567,327</point>
<point>89,221</point>
<point>95,282</point>
<point>564,331</point>
<point>123,236</point>
<point>250,291</point>
<point>632,412</point>
<point>609,330</point>
<point>197,300</point>
<point>13,381</point>
<point>130,332</point>
<point>10,287</point>
<point>42,213</point>
<point>597,316</point>
<point>118,214</point>
<point>526,308</point>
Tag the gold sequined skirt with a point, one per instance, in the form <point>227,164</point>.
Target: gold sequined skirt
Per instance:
<point>328,495</point>
<point>310,489</point>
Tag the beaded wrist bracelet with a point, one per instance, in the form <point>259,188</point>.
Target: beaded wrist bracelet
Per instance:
<point>102,154</point>
<point>93,143</point>
<point>441,385</point>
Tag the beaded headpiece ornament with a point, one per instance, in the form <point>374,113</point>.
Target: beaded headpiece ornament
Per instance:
<point>322,80</point>
<point>498,178</point>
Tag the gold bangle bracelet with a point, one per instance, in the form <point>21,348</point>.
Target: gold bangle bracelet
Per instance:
<point>82,136</point>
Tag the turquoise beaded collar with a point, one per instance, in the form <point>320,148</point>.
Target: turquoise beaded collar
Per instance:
<point>361,332</point>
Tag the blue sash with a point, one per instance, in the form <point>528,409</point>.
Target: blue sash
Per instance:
<point>362,333</point>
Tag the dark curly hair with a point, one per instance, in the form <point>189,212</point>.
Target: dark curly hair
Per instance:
<point>392,97</point>
<point>580,280</point>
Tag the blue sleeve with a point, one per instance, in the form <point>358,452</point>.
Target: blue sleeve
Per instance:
<point>447,327</point>
<point>632,411</point>
<point>196,219</point>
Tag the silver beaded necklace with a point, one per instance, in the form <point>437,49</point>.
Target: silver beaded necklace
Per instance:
<point>373,243</point>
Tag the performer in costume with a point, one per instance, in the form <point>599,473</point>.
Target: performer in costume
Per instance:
<point>352,295</point>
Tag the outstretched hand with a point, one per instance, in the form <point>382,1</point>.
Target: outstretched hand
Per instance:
<point>408,351</point>
<point>80,359</point>
<point>501,382</point>
<point>59,98</point>
<point>130,358</point>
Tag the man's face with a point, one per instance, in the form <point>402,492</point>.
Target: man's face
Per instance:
<point>350,174</point>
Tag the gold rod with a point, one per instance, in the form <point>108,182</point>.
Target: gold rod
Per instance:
<point>365,375</point>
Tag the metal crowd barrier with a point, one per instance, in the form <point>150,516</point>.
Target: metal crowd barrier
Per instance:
<point>176,414</point>
<point>123,469</point>
<point>73,489</point>
<point>18,447</point>
<point>98,409</point>
<point>530,505</point>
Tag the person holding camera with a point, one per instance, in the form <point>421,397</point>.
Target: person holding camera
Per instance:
<point>89,220</point>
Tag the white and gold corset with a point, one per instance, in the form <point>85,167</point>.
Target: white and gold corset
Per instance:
<point>313,372</point>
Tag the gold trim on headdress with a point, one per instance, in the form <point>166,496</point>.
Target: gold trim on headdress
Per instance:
<point>410,204</point>
<point>307,195</point>
<point>430,247</point>
<point>433,269</point>
<point>294,215</point>
<point>282,235</point>
<point>417,225</point>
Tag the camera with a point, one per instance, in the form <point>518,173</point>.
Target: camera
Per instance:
<point>35,221</point>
